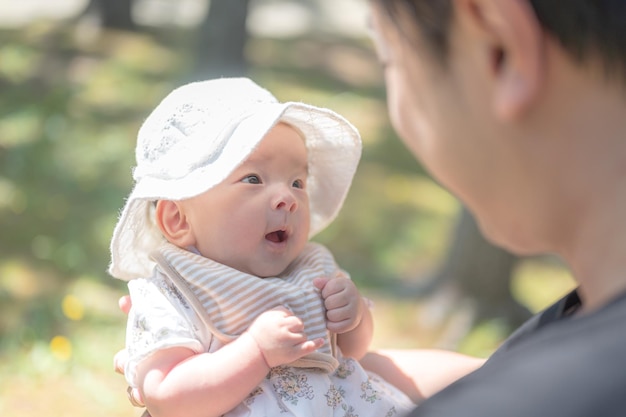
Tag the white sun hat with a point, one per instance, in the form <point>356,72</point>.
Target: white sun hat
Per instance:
<point>200,133</point>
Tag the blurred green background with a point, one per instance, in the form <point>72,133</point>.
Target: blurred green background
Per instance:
<point>75,86</point>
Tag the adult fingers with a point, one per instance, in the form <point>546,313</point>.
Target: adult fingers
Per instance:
<point>119,361</point>
<point>125,304</point>
<point>134,397</point>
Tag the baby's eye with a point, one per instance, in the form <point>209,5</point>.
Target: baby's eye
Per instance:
<point>251,179</point>
<point>298,184</point>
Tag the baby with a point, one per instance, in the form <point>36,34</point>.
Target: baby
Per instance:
<point>234,311</point>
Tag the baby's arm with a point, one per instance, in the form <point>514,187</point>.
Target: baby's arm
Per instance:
<point>347,315</point>
<point>177,381</point>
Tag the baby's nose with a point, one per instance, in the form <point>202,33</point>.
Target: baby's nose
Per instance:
<point>285,200</point>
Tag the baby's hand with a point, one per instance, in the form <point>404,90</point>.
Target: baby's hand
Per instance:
<point>344,306</point>
<point>281,338</point>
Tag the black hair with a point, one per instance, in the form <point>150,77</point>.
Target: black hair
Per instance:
<point>585,28</point>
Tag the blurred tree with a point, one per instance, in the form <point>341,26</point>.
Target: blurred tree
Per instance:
<point>222,39</point>
<point>113,14</point>
<point>482,272</point>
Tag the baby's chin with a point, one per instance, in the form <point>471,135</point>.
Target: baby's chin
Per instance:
<point>269,270</point>
<point>262,269</point>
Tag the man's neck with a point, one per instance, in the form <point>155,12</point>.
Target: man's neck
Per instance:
<point>597,254</point>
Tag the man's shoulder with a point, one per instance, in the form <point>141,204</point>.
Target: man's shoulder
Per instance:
<point>573,367</point>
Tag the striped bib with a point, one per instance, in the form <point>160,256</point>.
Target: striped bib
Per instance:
<point>228,301</point>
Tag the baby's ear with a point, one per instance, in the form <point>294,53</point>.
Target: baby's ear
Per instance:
<point>172,221</point>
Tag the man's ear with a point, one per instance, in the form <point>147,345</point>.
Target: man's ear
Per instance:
<point>514,40</point>
<point>173,223</point>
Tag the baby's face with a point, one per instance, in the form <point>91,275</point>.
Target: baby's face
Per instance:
<point>257,219</point>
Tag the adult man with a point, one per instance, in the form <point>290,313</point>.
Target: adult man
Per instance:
<point>519,108</point>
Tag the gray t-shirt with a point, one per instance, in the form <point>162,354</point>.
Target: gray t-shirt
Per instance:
<point>555,365</point>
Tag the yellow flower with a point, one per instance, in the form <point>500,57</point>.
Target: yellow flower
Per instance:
<point>61,348</point>
<point>72,307</point>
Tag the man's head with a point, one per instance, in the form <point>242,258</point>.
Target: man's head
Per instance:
<point>508,104</point>
<point>585,28</point>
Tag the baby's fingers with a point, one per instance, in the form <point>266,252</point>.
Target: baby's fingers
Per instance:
<point>340,314</point>
<point>311,346</point>
<point>338,326</point>
<point>294,325</point>
<point>320,282</point>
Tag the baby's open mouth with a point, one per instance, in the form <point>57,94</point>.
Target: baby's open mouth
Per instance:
<point>277,236</point>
